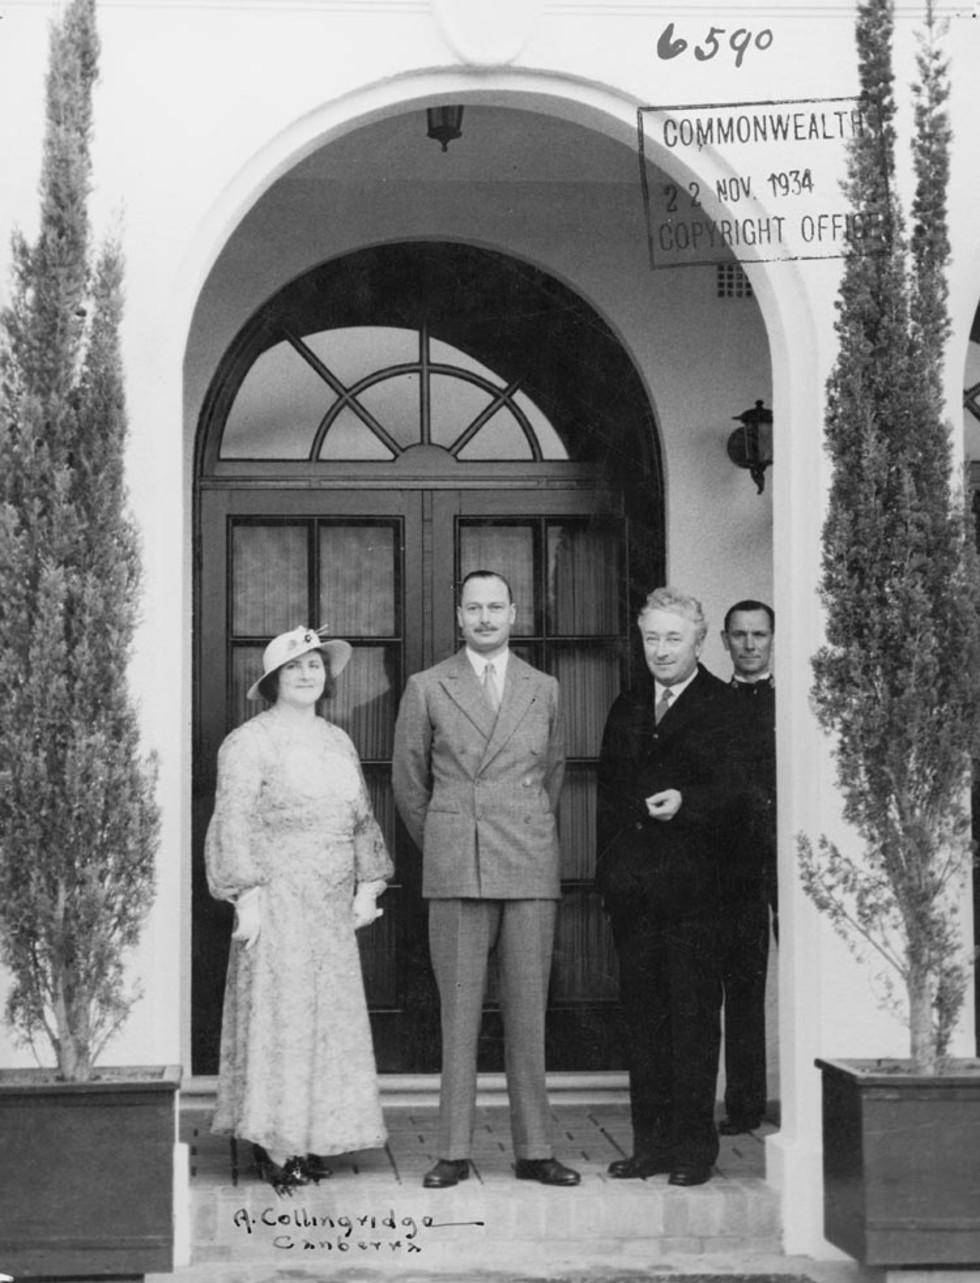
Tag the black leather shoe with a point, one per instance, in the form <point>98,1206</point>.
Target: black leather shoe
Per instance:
<point>639,1167</point>
<point>546,1170</point>
<point>317,1167</point>
<point>689,1176</point>
<point>735,1125</point>
<point>448,1171</point>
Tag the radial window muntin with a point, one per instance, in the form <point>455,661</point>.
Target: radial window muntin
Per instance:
<point>502,424</point>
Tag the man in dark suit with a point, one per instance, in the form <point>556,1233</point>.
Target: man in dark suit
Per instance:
<point>668,788</point>
<point>749,876</point>
<point>478,766</point>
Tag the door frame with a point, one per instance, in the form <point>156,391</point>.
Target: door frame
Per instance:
<point>427,511</point>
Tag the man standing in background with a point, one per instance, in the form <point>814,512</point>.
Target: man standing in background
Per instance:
<point>749,876</point>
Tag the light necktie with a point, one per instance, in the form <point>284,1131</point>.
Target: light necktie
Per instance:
<point>663,703</point>
<point>490,687</point>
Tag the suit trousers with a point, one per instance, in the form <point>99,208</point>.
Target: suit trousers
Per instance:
<point>671,999</point>
<point>463,934</point>
<point>744,961</point>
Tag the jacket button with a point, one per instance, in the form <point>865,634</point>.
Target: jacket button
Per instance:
<point>638,825</point>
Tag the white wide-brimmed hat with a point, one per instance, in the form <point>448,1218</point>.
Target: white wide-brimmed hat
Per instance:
<point>297,642</point>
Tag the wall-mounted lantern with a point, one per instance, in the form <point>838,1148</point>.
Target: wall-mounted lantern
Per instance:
<point>750,446</point>
<point>444,124</point>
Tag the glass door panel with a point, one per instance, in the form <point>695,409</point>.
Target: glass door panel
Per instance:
<point>246,665</point>
<point>269,577</point>
<point>585,579</point>
<point>366,702</point>
<point>359,579</point>
<point>589,676</point>
<point>576,822</point>
<point>509,548</point>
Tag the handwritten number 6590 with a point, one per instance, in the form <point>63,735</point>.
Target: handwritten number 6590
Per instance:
<point>740,41</point>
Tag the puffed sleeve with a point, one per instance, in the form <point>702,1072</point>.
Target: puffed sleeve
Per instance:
<point>372,862</point>
<point>228,844</point>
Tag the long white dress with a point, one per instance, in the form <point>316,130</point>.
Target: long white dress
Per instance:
<point>292,816</point>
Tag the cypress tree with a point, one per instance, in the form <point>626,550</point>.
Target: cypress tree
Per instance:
<point>78,818</point>
<point>897,682</point>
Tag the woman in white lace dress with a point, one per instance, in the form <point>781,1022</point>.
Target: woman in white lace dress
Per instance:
<point>294,845</point>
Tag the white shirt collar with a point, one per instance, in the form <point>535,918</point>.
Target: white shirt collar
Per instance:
<point>676,689</point>
<point>480,662</point>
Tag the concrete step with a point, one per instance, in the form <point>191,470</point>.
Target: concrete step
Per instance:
<point>373,1212</point>
<point>377,1220</point>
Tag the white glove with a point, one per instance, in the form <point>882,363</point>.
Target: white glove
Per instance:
<point>366,909</point>
<point>248,919</point>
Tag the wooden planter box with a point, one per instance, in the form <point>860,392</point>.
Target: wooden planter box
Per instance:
<point>901,1163</point>
<point>87,1174</point>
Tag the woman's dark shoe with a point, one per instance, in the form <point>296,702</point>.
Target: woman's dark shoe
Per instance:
<point>282,1179</point>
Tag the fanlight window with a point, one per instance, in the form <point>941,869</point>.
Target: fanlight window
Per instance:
<point>372,393</point>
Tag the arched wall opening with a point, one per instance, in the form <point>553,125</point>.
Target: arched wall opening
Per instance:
<point>664,320</point>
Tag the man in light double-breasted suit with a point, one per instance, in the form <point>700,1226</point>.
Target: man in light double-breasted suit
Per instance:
<point>478,766</point>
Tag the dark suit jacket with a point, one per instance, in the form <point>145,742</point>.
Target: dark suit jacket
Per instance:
<point>479,793</point>
<point>667,869</point>
<point>752,873</point>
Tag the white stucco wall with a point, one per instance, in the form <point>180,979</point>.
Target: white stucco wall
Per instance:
<point>202,110</point>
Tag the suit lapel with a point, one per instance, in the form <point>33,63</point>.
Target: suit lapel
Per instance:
<point>460,684</point>
<point>520,689</point>
<point>519,693</point>
<point>685,707</point>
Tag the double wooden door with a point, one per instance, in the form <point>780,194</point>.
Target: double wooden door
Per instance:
<point>379,568</point>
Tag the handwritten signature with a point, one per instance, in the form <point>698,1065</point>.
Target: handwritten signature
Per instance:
<point>306,1231</point>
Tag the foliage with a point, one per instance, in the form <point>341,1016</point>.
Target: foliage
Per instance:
<point>898,680</point>
<point>78,819</point>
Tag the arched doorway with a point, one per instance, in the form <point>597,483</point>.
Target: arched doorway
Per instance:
<point>385,423</point>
